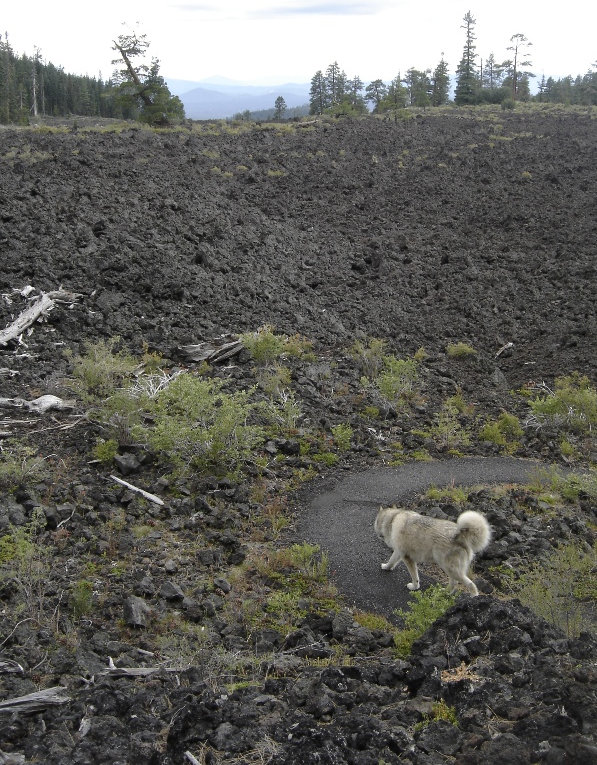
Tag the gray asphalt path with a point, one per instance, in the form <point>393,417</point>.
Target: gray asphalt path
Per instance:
<point>339,518</point>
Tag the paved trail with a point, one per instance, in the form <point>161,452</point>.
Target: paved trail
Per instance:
<point>340,520</point>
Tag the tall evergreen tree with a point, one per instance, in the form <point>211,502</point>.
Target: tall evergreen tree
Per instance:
<point>354,90</point>
<point>466,75</point>
<point>440,93</point>
<point>141,85</point>
<point>279,108</point>
<point>395,98</point>
<point>375,92</point>
<point>419,87</point>
<point>335,83</point>
<point>517,66</point>
<point>318,95</point>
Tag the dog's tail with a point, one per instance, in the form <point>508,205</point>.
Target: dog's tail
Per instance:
<point>473,530</point>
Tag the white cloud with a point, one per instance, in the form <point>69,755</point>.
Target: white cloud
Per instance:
<point>275,41</point>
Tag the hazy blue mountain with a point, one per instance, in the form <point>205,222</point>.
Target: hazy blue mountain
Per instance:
<point>218,97</point>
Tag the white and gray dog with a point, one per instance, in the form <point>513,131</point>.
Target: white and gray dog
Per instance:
<point>415,538</point>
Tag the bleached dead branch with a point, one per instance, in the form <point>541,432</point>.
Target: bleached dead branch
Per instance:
<point>43,305</point>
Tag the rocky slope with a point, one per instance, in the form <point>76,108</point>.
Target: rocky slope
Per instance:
<point>186,629</point>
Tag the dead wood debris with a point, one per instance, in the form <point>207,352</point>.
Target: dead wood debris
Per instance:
<point>42,306</point>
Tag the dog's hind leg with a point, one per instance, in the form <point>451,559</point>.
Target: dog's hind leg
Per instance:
<point>414,573</point>
<point>470,585</point>
<point>457,578</point>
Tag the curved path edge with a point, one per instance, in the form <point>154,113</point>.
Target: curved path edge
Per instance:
<point>339,518</point>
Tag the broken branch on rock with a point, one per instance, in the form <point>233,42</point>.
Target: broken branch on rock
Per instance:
<point>146,494</point>
<point>35,702</point>
<point>43,305</point>
<point>39,405</point>
<point>215,351</point>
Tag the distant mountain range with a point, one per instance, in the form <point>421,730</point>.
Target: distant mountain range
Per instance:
<point>219,98</point>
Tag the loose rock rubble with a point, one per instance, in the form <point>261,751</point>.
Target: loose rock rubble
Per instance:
<point>423,233</point>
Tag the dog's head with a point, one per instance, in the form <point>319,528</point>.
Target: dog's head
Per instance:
<point>379,525</point>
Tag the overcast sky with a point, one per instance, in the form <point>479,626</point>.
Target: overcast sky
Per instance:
<point>276,41</point>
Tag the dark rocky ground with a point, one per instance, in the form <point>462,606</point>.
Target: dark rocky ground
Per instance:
<point>424,233</point>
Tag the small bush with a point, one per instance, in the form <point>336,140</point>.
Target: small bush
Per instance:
<point>398,381</point>
<point>369,357</point>
<point>101,369</point>
<point>266,347</point>
<point>199,426</point>
<point>572,405</point>
<point>105,451</point>
<point>20,465</point>
<point>561,588</point>
<point>447,432</point>
<point>426,607</point>
<point>503,432</point>
<point>460,350</point>
<point>342,437</point>
<point>81,599</point>
<point>439,711</point>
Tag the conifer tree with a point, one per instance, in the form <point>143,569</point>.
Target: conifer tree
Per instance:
<point>141,85</point>
<point>440,93</point>
<point>467,84</point>
<point>318,96</point>
<point>518,75</point>
<point>375,92</point>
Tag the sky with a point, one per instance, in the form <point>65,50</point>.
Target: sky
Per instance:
<point>279,41</point>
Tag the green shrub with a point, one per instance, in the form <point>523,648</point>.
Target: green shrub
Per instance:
<point>425,608</point>
<point>370,356</point>
<point>81,598</point>
<point>447,432</point>
<point>439,711</point>
<point>572,405</point>
<point>199,426</point>
<point>105,451</point>
<point>562,588</point>
<point>283,411</point>
<point>503,432</point>
<point>460,350</point>
<point>570,486</point>
<point>100,370</point>
<point>457,495</point>
<point>398,380</point>
<point>19,465</point>
<point>342,434</point>
<point>266,347</point>
<point>25,561</point>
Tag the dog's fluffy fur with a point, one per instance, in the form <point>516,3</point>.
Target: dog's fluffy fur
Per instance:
<point>416,538</point>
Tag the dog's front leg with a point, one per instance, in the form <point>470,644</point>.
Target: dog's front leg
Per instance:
<point>395,559</point>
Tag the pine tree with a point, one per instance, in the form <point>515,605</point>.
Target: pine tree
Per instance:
<point>467,85</point>
<point>375,92</point>
<point>354,90</point>
<point>141,85</point>
<point>419,87</point>
<point>279,108</point>
<point>335,83</point>
<point>517,74</point>
<point>318,96</point>
<point>440,93</point>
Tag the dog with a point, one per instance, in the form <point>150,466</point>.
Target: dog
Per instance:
<point>415,538</point>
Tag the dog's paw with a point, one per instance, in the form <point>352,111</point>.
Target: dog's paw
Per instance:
<point>386,566</point>
<point>412,586</point>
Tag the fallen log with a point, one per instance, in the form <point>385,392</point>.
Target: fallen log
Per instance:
<point>43,305</point>
<point>214,352</point>
<point>35,702</point>
<point>39,405</point>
